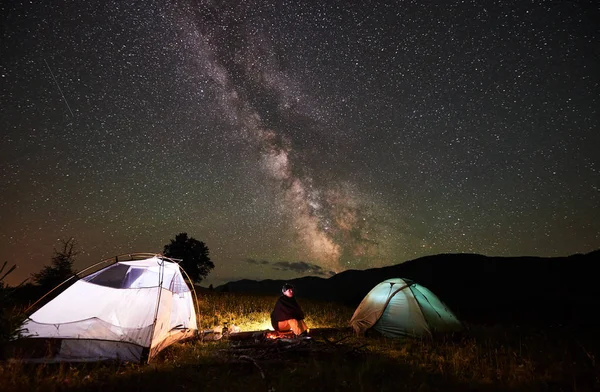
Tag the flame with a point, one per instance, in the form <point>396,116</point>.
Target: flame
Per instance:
<point>272,335</point>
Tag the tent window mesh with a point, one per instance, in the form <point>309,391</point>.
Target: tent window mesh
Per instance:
<point>178,285</point>
<point>111,276</point>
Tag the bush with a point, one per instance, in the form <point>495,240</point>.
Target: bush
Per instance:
<point>11,316</point>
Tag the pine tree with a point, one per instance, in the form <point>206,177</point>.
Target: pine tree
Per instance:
<point>61,268</point>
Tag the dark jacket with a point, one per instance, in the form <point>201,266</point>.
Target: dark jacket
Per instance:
<point>286,308</point>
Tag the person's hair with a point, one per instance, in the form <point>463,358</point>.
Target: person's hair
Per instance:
<point>286,287</point>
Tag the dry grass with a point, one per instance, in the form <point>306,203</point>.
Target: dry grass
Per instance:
<point>484,358</point>
<point>252,313</point>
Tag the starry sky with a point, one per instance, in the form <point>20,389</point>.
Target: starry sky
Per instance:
<point>299,137</point>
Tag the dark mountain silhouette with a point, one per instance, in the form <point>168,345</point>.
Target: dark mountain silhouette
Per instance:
<point>478,288</point>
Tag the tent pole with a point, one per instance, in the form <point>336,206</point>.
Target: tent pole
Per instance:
<point>68,279</point>
<point>193,291</point>
<point>114,259</point>
<point>176,261</point>
<point>160,283</point>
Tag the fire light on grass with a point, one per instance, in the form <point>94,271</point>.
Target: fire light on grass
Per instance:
<point>253,313</point>
<point>504,358</point>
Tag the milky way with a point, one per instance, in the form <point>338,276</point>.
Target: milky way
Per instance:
<point>296,138</point>
<point>322,216</point>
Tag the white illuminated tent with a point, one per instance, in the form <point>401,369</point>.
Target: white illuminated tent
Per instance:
<point>400,307</point>
<point>127,311</point>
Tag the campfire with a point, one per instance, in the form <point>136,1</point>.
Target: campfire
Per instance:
<point>279,335</point>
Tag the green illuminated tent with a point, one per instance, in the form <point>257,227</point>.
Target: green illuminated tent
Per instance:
<point>400,307</point>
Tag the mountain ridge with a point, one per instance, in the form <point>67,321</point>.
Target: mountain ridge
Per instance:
<point>477,287</point>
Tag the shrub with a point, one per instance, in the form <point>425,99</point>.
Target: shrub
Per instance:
<point>11,317</point>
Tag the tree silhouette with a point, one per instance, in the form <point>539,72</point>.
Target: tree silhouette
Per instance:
<point>10,320</point>
<point>193,255</point>
<point>61,268</point>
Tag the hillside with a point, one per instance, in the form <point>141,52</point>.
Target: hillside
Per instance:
<point>476,287</point>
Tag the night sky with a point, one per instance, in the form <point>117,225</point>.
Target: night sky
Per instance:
<point>299,137</point>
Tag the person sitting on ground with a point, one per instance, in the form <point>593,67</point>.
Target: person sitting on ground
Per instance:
<point>288,314</point>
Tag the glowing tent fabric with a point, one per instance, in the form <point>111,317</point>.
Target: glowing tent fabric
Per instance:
<point>398,307</point>
<point>128,311</point>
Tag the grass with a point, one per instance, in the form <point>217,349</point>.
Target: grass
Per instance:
<point>252,313</point>
<point>485,358</point>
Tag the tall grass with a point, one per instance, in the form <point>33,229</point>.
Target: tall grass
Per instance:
<point>483,358</point>
<point>252,312</point>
